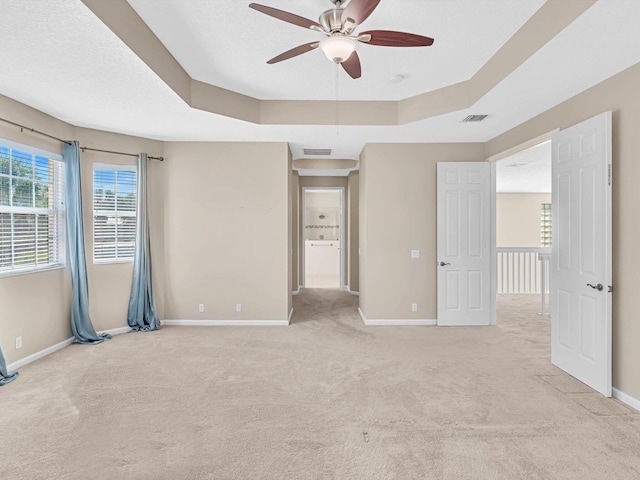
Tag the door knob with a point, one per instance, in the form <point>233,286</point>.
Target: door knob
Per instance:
<point>598,287</point>
<point>442,264</point>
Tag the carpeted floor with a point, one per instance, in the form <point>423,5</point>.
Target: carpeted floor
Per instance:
<point>325,398</point>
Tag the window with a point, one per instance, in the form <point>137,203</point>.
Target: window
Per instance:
<point>545,224</point>
<point>114,213</point>
<point>31,209</point>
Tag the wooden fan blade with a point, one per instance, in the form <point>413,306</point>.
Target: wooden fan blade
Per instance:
<point>285,16</point>
<point>294,52</point>
<point>352,66</point>
<point>359,10</point>
<point>389,38</point>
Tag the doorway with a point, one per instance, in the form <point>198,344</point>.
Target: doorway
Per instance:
<point>323,237</point>
<point>524,224</point>
<point>580,272</point>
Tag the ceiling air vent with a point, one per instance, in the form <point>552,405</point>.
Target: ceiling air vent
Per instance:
<point>475,118</point>
<point>317,151</point>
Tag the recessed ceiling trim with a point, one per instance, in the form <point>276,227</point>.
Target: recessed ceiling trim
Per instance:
<point>546,23</point>
<point>553,17</point>
<point>534,142</point>
<point>325,164</point>
<point>123,20</point>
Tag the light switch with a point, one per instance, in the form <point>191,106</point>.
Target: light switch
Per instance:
<point>415,253</point>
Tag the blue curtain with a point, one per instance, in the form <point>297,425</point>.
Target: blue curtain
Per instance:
<point>5,377</point>
<point>80,321</point>
<point>142,305</point>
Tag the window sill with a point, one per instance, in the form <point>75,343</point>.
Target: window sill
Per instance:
<point>113,262</point>
<point>15,273</point>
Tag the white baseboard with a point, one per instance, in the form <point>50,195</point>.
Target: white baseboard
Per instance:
<point>227,323</point>
<point>397,322</point>
<point>352,292</point>
<point>401,322</point>
<point>41,354</point>
<point>633,402</point>
<point>58,346</point>
<point>297,292</point>
<point>115,331</point>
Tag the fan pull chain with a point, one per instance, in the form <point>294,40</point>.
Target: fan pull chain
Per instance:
<point>337,99</point>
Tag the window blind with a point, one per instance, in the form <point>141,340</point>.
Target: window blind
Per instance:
<point>114,213</point>
<point>31,209</point>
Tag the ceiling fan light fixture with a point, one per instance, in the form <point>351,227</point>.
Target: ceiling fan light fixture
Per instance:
<point>338,48</point>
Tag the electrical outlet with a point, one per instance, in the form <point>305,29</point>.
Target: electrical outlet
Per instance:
<point>18,342</point>
<point>201,307</point>
<point>415,253</point>
<point>414,307</point>
<point>238,307</point>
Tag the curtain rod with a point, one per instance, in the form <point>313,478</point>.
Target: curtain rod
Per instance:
<point>119,153</point>
<point>22,127</point>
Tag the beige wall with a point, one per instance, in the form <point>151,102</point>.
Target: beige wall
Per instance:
<point>620,95</point>
<point>518,219</point>
<point>397,215</point>
<point>226,230</point>
<point>41,321</point>
<point>353,208</point>
<point>110,284</point>
<point>323,182</point>
<point>46,322</point>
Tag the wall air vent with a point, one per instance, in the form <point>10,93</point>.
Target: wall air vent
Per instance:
<point>475,118</point>
<point>317,151</point>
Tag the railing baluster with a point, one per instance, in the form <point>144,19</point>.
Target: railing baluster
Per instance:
<point>502,275</point>
<point>531,274</point>
<point>520,270</point>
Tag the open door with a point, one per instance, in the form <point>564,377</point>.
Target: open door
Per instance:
<point>581,274</point>
<point>465,218</point>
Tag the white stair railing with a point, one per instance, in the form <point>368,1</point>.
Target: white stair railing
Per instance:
<point>523,270</point>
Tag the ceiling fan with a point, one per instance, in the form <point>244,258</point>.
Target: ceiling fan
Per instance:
<point>338,24</point>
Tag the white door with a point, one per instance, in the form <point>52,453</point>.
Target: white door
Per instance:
<point>465,213</point>
<point>580,302</point>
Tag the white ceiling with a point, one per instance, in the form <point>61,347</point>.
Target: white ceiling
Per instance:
<point>58,57</point>
<point>526,171</point>
<point>227,44</point>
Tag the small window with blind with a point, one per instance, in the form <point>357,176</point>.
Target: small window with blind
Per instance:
<point>545,224</point>
<point>31,209</point>
<point>114,213</point>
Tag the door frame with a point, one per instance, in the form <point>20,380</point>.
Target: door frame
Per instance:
<point>341,233</point>
<point>534,142</point>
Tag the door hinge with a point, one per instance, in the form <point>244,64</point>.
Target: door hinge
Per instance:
<point>610,289</point>
<point>609,174</point>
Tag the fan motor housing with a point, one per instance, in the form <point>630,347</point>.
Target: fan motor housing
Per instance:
<point>331,20</point>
